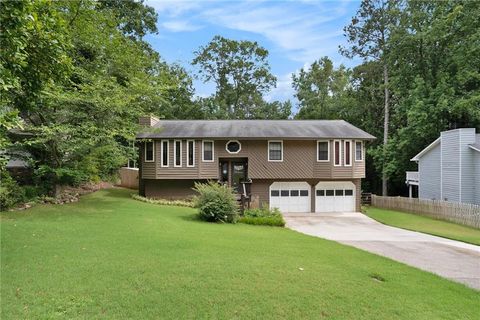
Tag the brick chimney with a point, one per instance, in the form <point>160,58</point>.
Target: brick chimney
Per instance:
<point>148,121</point>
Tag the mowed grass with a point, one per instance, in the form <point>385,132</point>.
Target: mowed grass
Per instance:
<point>425,224</point>
<point>111,257</point>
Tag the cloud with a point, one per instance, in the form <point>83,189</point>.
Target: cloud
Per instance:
<point>305,33</point>
<point>283,91</point>
<point>173,8</point>
<point>180,26</point>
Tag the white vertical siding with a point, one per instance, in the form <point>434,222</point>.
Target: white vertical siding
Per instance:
<point>467,165</point>
<point>429,175</point>
<point>476,160</point>
<point>451,177</point>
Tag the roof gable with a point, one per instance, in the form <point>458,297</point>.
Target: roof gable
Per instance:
<point>428,148</point>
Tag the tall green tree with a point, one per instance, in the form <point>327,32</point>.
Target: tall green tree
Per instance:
<point>436,78</point>
<point>80,74</point>
<point>368,35</point>
<point>240,72</point>
<point>321,90</point>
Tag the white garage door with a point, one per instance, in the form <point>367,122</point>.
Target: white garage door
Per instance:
<point>335,196</point>
<point>290,196</point>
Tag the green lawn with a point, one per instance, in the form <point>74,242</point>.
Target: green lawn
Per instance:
<point>424,224</point>
<point>111,257</point>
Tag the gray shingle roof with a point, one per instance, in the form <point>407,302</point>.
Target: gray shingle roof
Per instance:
<point>254,129</point>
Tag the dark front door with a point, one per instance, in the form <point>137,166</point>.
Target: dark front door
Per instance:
<point>239,174</point>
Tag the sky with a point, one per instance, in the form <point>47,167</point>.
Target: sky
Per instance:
<point>295,33</point>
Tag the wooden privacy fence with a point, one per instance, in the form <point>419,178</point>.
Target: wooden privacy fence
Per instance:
<point>129,178</point>
<point>462,213</point>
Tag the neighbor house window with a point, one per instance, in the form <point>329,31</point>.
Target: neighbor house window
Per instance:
<point>358,151</point>
<point>337,152</point>
<point>165,153</point>
<point>149,151</point>
<point>177,153</point>
<point>275,150</point>
<point>323,154</point>
<point>348,153</point>
<point>207,151</point>
<point>190,153</point>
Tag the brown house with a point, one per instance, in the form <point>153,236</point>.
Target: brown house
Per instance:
<point>294,165</point>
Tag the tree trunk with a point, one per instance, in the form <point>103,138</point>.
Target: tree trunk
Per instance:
<point>385,130</point>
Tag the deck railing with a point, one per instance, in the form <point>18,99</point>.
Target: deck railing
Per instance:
<point>413,176</point>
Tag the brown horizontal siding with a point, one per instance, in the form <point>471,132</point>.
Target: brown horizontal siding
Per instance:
<point>299,162</point>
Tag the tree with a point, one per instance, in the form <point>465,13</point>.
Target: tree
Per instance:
<point>240,71</point>
<point>368,34</point>
<point>321,90</point>
<point>79,75</point>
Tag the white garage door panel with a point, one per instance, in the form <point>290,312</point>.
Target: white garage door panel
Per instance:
<point>290,196</point>
<point>335,196</point>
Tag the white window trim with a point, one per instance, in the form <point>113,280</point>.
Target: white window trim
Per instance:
<point>268,150</point>
<point>345,156</point>
<point>188,156</point>
<point>168,153</point>
<point>203,151</point>
<point>339,153</point>
<point>361,148</point>
<point>153,150</point>
<point>239,149</point>
<point>328,149</point>
<point>175,153</point>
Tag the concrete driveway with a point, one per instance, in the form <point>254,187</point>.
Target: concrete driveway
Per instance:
<point>451,259</point>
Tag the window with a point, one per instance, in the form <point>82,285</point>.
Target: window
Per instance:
<point>190,153</point>
<point>275,193</point>
<point>323,154</point>
<point>165,153</point>
<point>177,153</point>
<point>358,151</point>
<point>337,151</point>
<point>149,151</point>
<point>294,193</point>
<point>275,151</point>
<point>349,192</point>
<point>233,146</point>
<point>284,193</point>
<point>348,153</point>
<point>329,193</point>
<point>339,192</point>
<point>320,193</point>
<point>303,193</point>
<point>207,151</point>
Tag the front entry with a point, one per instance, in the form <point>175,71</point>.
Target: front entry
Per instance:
<point>233,172</point>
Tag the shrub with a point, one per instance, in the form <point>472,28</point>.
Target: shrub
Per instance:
<point>263,216</point>
<point>165,202</point>
<point>216,202</point>
<point>10,192</point>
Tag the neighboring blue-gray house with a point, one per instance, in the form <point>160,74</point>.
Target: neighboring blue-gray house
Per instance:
<point>449,168</point>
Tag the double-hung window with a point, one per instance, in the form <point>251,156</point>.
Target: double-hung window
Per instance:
<point>149,151</point>
<point>177,153</point>
<point>337,153</point>
<point>348,153</point>
<point>207,151</point>
<point>165,153</point>
<point>323,152</point>
<point>275,151</point>
<point>190,153</point>
<point>358,151</point>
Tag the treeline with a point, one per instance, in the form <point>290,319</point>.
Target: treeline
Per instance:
<point>75,76</point>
